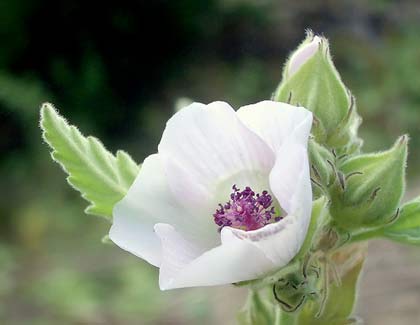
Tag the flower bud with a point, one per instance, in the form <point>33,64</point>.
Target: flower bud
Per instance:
<point>310,79</point>
<point>369,188</point>
<point>322,170</point>
<point>292,291</point>
<point>307,50</point>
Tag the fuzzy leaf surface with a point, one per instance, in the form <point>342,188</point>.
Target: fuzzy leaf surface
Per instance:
<point>406,229</point>
<point>102,178</point>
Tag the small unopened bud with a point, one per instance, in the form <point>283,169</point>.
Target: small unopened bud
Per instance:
<point>369,188</point>
<point>310,79</point>
<point>322,168</point>
<point>292,291</point>
<point>307,50</point>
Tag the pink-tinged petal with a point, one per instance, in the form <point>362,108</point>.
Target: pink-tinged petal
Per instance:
<point>166,216</point>
<point>276,122</point>
<point>279,241</point>
<point>290,183</point>
<point>205,146</point>
<point>150,201</point>
<point>183,265</point>
<point>302,55</point>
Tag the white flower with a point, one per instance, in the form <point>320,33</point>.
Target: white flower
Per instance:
<point>255,160</point>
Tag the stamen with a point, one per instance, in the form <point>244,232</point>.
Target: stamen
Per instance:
<point>246,210</point>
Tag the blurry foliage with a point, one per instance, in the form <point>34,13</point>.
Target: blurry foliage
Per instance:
<point>116,71</point>
<point>386,80</point>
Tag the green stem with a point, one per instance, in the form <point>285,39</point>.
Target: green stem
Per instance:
<point>366,235</point>
<point>261,307</point>
<point>284,318</point>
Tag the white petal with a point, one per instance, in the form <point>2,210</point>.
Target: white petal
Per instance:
<point>279,241</point>
<point>275,122</point>
<point>303,54</point>
<point>149,201</point>
<point>205,146</point>
<point>185,266</point>
<point>165,217</point>
<point>290,183</point>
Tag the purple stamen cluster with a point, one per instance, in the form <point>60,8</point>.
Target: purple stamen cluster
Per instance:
<point>246,210</point>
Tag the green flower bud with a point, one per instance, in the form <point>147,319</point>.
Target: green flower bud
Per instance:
<point>322,169</point>
<point>310,79</point>
<point>369,188</point>
<point>292,291</point>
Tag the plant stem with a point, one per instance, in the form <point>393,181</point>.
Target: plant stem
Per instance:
<point>365,235</point>
<point>283,318</point>
<point>261,307</point>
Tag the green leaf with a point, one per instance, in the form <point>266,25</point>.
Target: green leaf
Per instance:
<point>102,178</point>
<point>406,229</point>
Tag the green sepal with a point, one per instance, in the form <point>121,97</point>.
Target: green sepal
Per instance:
<point>322,169</point>
<point>347,131</point>
<point>102,178</point>
<point>317,86</point>
<point>369,188</point>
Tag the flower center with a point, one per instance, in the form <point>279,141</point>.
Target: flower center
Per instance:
<point>246,210</point>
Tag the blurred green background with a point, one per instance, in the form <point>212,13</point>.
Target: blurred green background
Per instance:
<point>116,70</point>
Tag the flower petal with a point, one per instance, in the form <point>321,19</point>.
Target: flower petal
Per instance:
<point>149,201</point>
<point>184,266</point>
<point>207,145</point>
<point>275,122</point>
<point>165,218</point>
<point>302,55</point>
<point>278,241</point>
<point>290,183</point>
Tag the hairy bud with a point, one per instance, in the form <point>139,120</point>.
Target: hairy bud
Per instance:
<point>310,79</point>
<point>322,169</point>
<point>369,188</point>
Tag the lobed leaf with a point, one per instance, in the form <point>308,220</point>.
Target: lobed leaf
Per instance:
<point>102,178</point>
<point>406,229</point>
